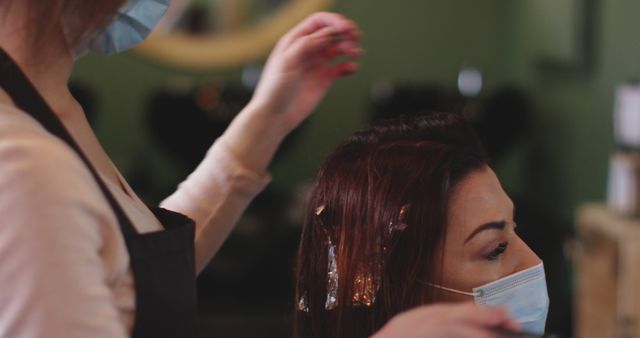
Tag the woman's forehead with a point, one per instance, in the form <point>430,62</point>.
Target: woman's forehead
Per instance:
<point>476,200</point>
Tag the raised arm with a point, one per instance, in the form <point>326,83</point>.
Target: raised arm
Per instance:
<point>297,76</point>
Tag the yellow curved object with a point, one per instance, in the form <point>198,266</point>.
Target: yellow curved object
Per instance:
<point>232,49</point>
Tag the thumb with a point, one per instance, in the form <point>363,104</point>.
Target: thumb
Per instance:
<point>485,316</point>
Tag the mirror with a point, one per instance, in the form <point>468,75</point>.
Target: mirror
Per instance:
<point>226,33</point>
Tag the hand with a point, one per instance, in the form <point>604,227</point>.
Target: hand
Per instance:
<point>448,321</point>
<point>300,70</point>
<point>297,76</point>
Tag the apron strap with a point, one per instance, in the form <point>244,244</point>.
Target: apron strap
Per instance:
<point>27,98</point>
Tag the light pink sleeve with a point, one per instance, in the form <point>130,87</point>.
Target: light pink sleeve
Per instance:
<point>215,195</point>
<point>53,278</point>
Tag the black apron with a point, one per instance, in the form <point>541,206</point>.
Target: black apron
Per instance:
<point>163,262</point>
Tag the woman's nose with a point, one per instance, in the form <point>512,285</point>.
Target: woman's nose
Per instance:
<point>528,257</point>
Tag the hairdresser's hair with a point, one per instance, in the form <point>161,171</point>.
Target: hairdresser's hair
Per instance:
<point>82,17</point>
<point>411,161</point>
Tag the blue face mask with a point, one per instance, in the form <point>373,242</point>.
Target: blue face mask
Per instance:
<point>524,293</point>
<point>132,24</point>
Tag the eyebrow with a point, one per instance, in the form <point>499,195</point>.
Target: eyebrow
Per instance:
<point>499,225</point>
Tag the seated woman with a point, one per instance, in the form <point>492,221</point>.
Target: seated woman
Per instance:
<point>405,214</point>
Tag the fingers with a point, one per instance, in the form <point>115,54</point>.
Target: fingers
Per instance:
<point>482,317</point>
<point>318,21</point>
<point>321,48</point>
<point>446,320</point>
<point>342,69</point>
<point>313,43</point>
<point>511,324</point>
<point>343,48</point>
<point>466,331</point>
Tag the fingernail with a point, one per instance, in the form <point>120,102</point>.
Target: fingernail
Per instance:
<point>329,30</point>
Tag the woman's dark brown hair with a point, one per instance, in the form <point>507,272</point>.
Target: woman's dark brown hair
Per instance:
<point>400,171</point>
<point>81,17</point>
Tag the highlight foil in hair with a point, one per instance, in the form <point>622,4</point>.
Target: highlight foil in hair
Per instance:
<point>332,272</point>
<point>365,287</point>
<point>302,304</point>
<point>366,282</point>
<point>332,277</point>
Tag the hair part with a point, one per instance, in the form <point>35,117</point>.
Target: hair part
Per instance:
<point>363,186</point>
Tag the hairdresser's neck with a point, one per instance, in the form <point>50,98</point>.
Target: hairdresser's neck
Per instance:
<point>48,68</point>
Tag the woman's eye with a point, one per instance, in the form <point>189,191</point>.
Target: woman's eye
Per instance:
<point>499,250</point>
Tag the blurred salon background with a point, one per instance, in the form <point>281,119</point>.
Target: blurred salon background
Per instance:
<point>542,80</point>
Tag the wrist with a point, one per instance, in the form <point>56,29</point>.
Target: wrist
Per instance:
<point>254,136</point>
<point>270,116</point>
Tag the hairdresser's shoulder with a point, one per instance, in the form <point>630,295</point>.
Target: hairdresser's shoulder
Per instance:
<point>30,155</point>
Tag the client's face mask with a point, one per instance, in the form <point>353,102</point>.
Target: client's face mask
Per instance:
<point>132,24</point>
<point>524,293</point>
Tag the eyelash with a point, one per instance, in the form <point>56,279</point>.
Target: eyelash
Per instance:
<point>499,250</point>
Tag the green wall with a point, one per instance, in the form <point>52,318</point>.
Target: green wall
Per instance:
<point>572,133</point>
<point>404,40</point>
<point>563,164</point>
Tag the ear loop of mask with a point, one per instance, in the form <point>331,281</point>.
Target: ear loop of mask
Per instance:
<point>471,294</point>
